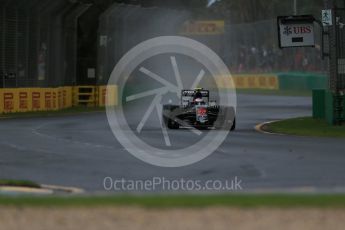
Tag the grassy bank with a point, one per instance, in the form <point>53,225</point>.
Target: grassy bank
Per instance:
<point>305,126</point>
<point>160,201</point>
<point>21,183</point>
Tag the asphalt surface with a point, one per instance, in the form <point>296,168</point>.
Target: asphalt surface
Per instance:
<point>80,151</point>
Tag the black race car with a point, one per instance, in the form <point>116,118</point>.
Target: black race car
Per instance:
<point>198,111</point>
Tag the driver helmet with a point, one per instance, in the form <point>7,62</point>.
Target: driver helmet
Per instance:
<point>199,100</point>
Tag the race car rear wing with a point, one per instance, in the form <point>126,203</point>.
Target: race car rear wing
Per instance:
<point>190,93</point>
<point>187,96</point>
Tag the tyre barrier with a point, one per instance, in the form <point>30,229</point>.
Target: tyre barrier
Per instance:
<point>85,96</point>
<point>16,100</point>
<point>245,81</point>
<point>279,81</point>
<point>328,106</point>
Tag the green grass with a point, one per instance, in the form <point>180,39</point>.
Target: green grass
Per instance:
<point>306,126</point>
<point>21,183</point>
<point>69,111</point>
<point>184,201</point>
<point>273,92</point>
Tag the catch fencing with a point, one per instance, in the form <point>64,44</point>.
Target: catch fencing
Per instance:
<point>38,42</point>
<point>253,48</point>
<point>245,48</point>
<point>122,27</point>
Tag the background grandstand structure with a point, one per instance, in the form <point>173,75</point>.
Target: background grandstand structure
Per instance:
<point>51,43</point>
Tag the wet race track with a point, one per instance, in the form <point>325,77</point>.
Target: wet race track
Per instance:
<point>80,151</point>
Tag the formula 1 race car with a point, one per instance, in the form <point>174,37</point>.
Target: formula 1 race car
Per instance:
<point>196,110</point>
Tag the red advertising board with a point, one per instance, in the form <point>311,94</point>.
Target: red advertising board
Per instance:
<point>8,101</point>
<point>36,100</point>
<point>23,100</point>
<point>48,100</point>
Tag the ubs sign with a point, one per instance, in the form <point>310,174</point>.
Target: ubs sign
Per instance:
<point>296,31</point>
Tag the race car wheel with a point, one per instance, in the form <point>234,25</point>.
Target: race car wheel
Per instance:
<point>233,127</point>
<point>168,121</point>
<point>173,124</point>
